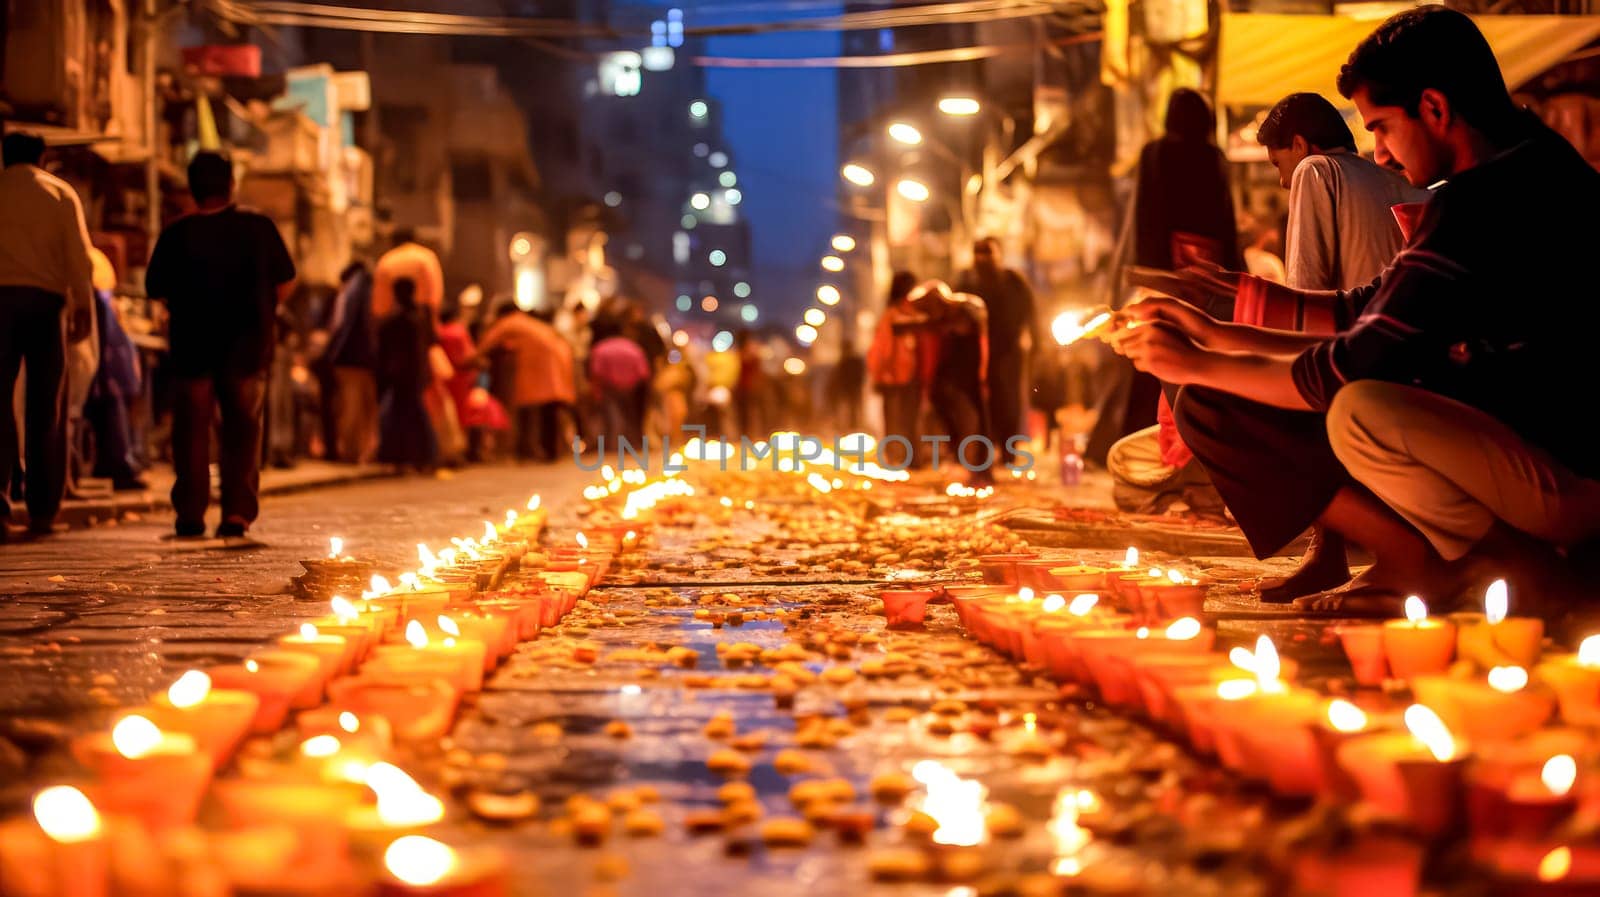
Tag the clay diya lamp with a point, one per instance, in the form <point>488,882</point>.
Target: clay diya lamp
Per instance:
<point>368,734</point>
<point>1363,646</point>
<point>1413,777</point>
<point>1524,789</point>
<point>961,598</point>
<point>217,719</point>
<point>1368,866</point>
<point>420,709</point>
<point>1183,638</point>
<point>1484,709</point>
<point>1418,644</point>
<point>418,866</point>
<point>1001,569</point>
<point>1034,573</point>
<point>1077,579</point>
<point>905,608</point>
<point>282,680</point>
<point>1177,597</point>
<point>1575,679</point>
<point>140,771</point>
<point>1158,676</point>
<point>1493,639</point>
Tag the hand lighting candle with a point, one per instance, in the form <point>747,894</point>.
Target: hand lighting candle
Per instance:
<point>1418,644</point>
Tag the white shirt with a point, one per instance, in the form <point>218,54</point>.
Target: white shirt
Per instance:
<point>1341,231</point>
<point>44,242</point>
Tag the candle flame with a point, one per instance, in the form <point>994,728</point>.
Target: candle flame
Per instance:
<point>1176,576</point>
<point>345,609</point>
<point>1236,689</point>
<point>381,586</point>
<point>1496,601</point>
<point>1589,652</point>
<point>607,474</point>
<point>135,736</point>
<point>1142,632</point>
<point>1241,657</point>
<point>418,860</point>
<point>426,556</point>
<point>1508,679</point>
<point>533,503</point>
<point>1416,611</point>
<point>1131,559</point>
<point>66,815</point>
<point>308,631</point>
<point>1082,604</point>
<point>416,635</point>
<point>1155,573</point>
<point>1053,603</point>
<point>1559,774</point>
<point>1428,728</point>
<point>489,533</point>
<point>1344,716</point>
<point>1183,630</point>
<point>320,746</point>
<point>1267,664</point>
<point>1025,593</point>
<point>583,541</point>
<point>511,518</point>
<point>727,502</point>
<point>335,547</point>
<point>409,808</point>
<point>1555,865</point>
<point>412,581</point>
<point>349,722</point>
<point>190,689</point>
<point>250,666</point>
<point>448,626</point>
<point>1030,722</point>
<point>957,804</point>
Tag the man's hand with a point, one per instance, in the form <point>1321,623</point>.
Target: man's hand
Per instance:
<point>80,322</point>
<point>1193,323</point>
<point>1161,350</point>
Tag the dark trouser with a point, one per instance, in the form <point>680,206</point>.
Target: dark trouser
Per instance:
<point>30,331</point>
<point>902,407</point>
<point>107,412</point>
<point>1274,468</point>
<point>1005,398</point>
<point>622,414</point>
<point>538,431</point>
<point>962,408</point>
<point>196,402</point>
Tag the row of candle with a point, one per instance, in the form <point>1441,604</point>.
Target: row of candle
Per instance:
<point>392,667</point>
<point>1476,751</point>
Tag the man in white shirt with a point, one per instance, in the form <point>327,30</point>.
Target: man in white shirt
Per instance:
<point>45,275</point>
<point>1342,234</point>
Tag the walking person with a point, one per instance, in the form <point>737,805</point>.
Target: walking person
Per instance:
<point>350,359</point>
<point>618,371</point>
<point>900,365</point>
<point>405,336</point>
<point>1013,334</point>
<point>45,282</point>
<point>539,374</point>
<point>222,272</point>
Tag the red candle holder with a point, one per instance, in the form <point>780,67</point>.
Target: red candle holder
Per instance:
<point>906,608</point>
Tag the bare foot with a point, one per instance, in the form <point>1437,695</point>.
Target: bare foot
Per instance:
<point>1324,567</point>
<point>1381,592</point>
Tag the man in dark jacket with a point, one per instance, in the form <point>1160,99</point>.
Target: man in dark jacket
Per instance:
<point>1009,301</point>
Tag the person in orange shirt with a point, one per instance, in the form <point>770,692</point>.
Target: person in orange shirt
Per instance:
<point>412,260</point>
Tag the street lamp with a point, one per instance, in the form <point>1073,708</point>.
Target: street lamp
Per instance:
<point>816,317</point>
<point>806,334</point>
<point>832,263</point>
<point>700,201</point>
<point>844,243</point>
<point>913,189</point>
<point>859,175</point>
<point>904,133</point>
<point>828,294</point>
<point>960,106</point>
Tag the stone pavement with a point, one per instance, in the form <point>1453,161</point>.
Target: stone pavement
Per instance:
<point>103,617</point>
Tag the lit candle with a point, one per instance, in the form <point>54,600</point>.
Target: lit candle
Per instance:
<point>1576,681</point>
<point>1495,639</point>
<point>332,652</point>
<point>280,679</point>
<point>1176,596</point>
<point>154,776</point>
<point>216,718</point>
<point>419,866</point>
<point>419,706</point>
<point>402,807</point>
<point>62,851</point>
<point>1415,777</point>
<point>1495,707</point>
<point>1418,644</point>
<point>459,660</point>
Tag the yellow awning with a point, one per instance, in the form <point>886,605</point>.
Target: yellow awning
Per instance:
<point>1266,56</point>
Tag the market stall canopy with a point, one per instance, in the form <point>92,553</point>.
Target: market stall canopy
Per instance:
<point>1268,56</point>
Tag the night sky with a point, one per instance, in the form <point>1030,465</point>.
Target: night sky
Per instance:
<point>782,126</point>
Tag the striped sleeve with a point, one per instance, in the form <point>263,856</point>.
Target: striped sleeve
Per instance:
<point>1397,335</point>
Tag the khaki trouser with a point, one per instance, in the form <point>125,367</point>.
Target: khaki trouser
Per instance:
<point>356,411</point>
<point>1452,470</point>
